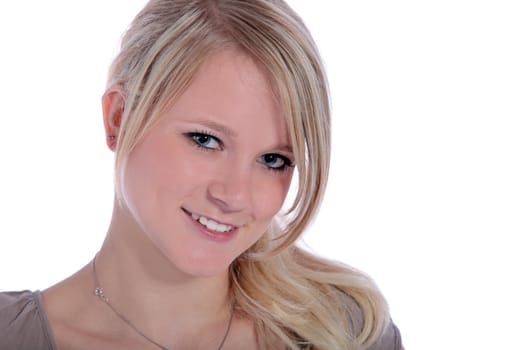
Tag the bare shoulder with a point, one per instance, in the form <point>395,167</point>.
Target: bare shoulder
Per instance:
<point>243,336</point>
<point>72,315</point>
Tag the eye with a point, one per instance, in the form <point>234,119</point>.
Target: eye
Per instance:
<point>205,140</point>
<point>275,161</point>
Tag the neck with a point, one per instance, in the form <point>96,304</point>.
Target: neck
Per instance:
<point>151,292</point>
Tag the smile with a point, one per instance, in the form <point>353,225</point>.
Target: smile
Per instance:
<point>211,224</point>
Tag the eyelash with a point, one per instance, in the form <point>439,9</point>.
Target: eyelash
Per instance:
<point>193,135</point>
<point>287,163</point>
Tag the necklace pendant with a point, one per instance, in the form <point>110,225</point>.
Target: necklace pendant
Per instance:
<point>98,292</point>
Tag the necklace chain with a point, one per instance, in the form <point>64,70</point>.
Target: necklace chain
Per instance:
<point>99,292</point>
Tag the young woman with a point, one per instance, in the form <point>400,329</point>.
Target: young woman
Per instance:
<point>210,107</point>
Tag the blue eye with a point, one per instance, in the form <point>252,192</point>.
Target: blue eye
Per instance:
<point>205,140</point>
<point>275,161</point>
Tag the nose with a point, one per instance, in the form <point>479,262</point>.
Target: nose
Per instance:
<point>230,189</point>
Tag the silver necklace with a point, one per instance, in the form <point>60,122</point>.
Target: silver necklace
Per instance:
<point>99,292</point>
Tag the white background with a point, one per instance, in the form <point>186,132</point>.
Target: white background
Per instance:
<point>427,189</point>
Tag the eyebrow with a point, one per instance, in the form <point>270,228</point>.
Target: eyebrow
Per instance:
<point>217,127</point>
<point>284,148</point>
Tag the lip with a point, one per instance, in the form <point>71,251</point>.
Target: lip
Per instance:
<point>213,235</point>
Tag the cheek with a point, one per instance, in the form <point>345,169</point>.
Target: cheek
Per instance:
<point>148,174</point>
<point>270,193</point>
<point>163,164</point>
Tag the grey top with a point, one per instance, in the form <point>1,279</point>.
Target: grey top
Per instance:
<point>23,322</point>
<point>24,325</point>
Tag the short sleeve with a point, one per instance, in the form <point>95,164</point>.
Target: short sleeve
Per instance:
<point>390,340</point>
<point>23,324</point>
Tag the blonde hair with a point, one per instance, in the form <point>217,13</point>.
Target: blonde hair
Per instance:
<point>293,296</point>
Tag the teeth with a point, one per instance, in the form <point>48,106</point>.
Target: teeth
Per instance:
<point>208,223</point>
<point>212,225</point>
<point>223,228</point>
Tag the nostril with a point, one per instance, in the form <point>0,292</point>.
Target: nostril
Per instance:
<point>231,197</point>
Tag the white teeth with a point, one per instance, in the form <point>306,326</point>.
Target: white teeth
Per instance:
<point>212,225</point>
<point>223,228</point>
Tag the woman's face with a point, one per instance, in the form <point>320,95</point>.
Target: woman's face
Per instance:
<point>205,182</point>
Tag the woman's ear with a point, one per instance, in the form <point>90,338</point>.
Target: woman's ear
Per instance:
<point>113,103</point>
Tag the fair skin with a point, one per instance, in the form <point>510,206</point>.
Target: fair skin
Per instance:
<point>220,152</point>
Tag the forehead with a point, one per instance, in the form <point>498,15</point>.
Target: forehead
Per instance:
<point>232,89</point>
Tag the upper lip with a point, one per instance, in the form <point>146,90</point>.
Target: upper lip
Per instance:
<point>209,217</point>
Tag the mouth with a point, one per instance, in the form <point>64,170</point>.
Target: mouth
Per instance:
<point>210,224</point>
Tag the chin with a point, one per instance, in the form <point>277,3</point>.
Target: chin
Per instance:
<point>204,267</point>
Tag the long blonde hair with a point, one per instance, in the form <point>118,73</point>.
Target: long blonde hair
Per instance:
<point>302,300</point>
